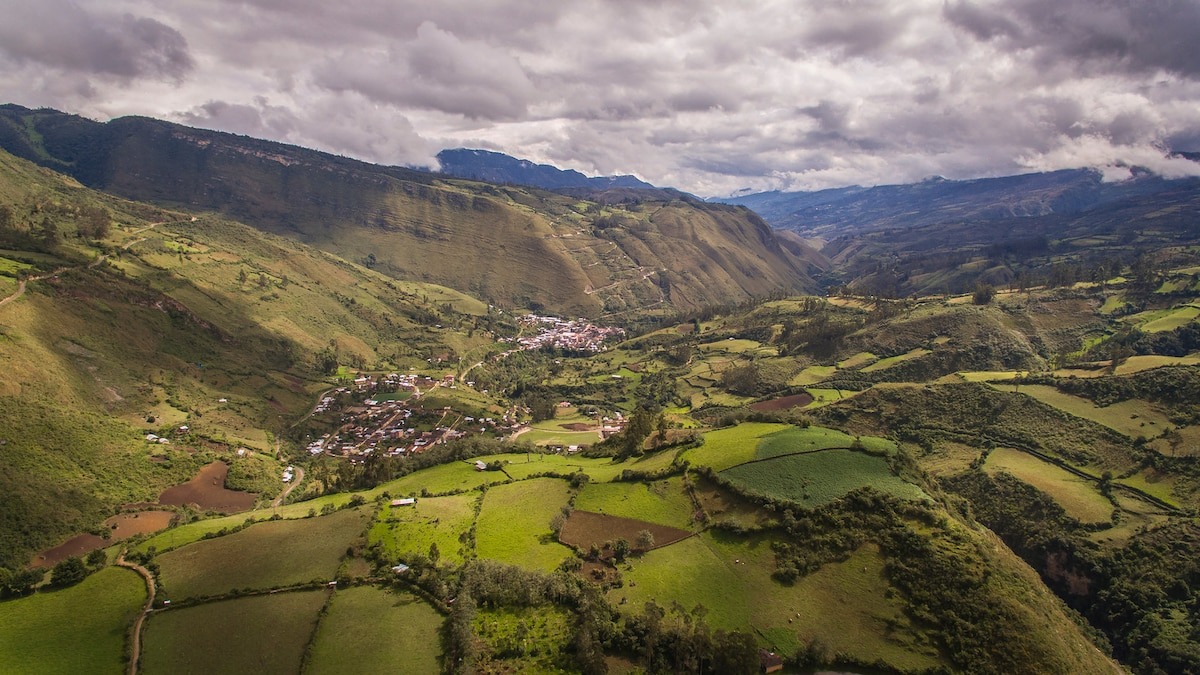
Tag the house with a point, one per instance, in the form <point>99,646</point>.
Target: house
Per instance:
<point>404,501</point>
<point>769,662</point>
<point>400,568</point>
<point>480,465</point>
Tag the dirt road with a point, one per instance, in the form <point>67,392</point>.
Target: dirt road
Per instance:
<point>136,644</point>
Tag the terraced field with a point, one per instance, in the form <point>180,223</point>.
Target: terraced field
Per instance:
<point>818,478</point>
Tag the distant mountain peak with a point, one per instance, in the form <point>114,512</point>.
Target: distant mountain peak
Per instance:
<point>497,167</point>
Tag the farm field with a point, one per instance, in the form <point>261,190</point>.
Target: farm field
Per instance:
<point>822,397</point>
<point>524,640</point>
<point>807,439</point>
<point>885,363</point>
<point>583,529</point>
<point>79,629</point>
<point>1080,498</point>
<point>598,469</point>
<point>370,630</point>
<point>664,502</point>
<point>1169,319</point>
<point>432,520</point>
<point>560,437</point>
<point>260,634</point>
<point>818,478</point>
<point>452,477</point>
<point>724,448</point>
<point>857,361</point>
<point>264,555</point>
<point>812,375</point>
<point>514,524</point>
<point>1133,417</point>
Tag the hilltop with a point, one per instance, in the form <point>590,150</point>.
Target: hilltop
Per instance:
<point>510,246</point>
<point>497,167</point>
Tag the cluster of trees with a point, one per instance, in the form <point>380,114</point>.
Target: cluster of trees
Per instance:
<point>67,572</point>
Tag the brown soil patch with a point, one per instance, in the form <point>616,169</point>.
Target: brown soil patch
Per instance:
<point>721,505</point>
<point>79,545</point>
<point>578,426</point>
<point>207,491</point>
<point>125,525</point>
<point>585,528</point>
<point>782,403</point>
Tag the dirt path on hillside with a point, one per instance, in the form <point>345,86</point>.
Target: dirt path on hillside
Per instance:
<point>136,643</point>
<point>99,259</point>
<point>291,486</point>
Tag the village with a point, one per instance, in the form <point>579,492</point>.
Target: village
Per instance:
<point>566,334</point>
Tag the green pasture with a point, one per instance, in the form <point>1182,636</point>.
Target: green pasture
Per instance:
<point>11,268</point>
<point>857,361</point>
<point>399,530</point>
<point>819,478</point>
<point>1079,497</point>
<point>664,502</point>
<point>451,477</point>
<point>1165,320</point>
<point>514,524</point>
<point>370,630</point>
<point>560,437</point>
<point>261,634</point>
<point>1133,417</point>
<point>1136,364</point>
<point>264,555</point>
<point>80,629</point>
<point>812,375</point>
<point>884,364</point>
<point>724,448</point>
<point>738,346</point>
<point>823,397</point>
<point>1154,484</point>
<point>806,439</point>
<point>524,639</point>
<point>599,469</point>
<point>843,604</point>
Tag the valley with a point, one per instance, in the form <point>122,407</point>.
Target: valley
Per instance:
<point>639,443</point>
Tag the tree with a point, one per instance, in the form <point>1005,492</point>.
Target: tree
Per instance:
<point>620,550</point>
<point>68,572</point>
<point>983,293</point>
<point>242,277</point>
<point>97,558</point>
<point>645,540</point>
<point>93,222</point>
<point>47,232</point>
<point>434,554</point>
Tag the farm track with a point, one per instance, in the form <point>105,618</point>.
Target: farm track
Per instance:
<point>136,643</point>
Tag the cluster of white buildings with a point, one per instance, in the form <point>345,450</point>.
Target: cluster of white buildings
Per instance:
<point>575,334</point>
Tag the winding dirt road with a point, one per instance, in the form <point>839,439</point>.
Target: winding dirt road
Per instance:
<point>136,644</point>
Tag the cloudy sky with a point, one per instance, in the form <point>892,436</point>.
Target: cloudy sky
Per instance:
<point>710,96</point>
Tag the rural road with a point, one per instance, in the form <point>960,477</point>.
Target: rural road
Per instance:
<point>291,486</point>
<point>136,648</point>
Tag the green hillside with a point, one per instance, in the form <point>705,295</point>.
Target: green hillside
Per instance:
<point>507,245</point>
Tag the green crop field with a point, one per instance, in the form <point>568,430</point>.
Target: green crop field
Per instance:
<point>369,630</point>
<point>514,525</point>
<point>1170,319</point>
<point>433,520</point>
<point>261,634</point>
<point>1136,364</point>
<point>797,439</point>
<point>663,502</point>
<point>1079,497</point>
<point>80,629</point>
<point>821,477</point>
<point>823,397</point>
<point>724,448</point>
<point>857,361</point>
<point>560,437</point>
<point>264,555</point>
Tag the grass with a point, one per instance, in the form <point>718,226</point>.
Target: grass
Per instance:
<point>819,478</point>
<point>265,555</point>
<point>560,437</point>
<point>823,397</point>
<point>451,477</point>
<point>857,361</point>
<point>80,629</point>
<point>369,630</point>
<point>1136,364</point>
<point>514,524</point>
<point>729,447</point>
<point>797,439</point>
<point>737,346</point>
<point>524,640</point>
<point>846,605</point>
<point>1171,319</point>
<point>1133,417</point>
<point>663,502</point>
<point>884,364</point>
<point>434,520</point>
<point>812,375</point>
<point>599,469</point>
<point>1080,498</point>
<point>262,634</point>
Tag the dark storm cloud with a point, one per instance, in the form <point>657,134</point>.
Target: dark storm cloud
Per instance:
<point>1134,35</point>
<point>705,95</point>
<point>63,34</point>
